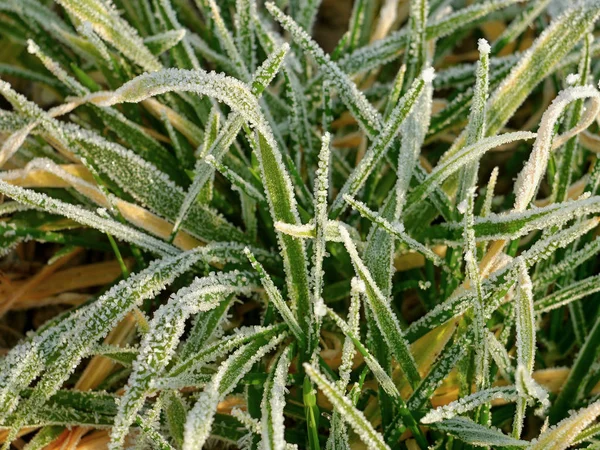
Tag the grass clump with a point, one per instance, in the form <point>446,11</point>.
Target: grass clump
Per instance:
<point>259,244</point>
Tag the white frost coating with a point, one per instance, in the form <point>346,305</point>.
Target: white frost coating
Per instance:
<point>572,78</point>
<point>396,229</point>
<point>72,340</point>
<point>247,420</point>
<point>380,374</point>
<point>382,142</point>
<point>234,93</point>
<point>527,387</point>
<point>225,38</point>
<point>540,218</point>
<point>483,46</point>
<point>561,436</point>
<point>228,132</point>
<point>353,417</point>
<point>530,177</point>
<point>428,75</point>
<point>384,316</point>
<point>462,206</point>
<point>368,117</point>
<point>15,141</point>
<point>86,30</point>
<point>87,218</point>
<point>320,308</point>
<point>275,296</point>
<point>201,416</point>
<point>470,402</point>
<point>158,345</point>
<point>525,325</point>
<point>56,69</point>
<point>348,350</point>
<point>358,285</point>
<point>301,231</point>
<point>469,258</point>
<point>273,403</point>
<point>460,159</point>
<point>321,193</point>
<point>182,375</point>
<point>110,26</point>
<point>385,50</point>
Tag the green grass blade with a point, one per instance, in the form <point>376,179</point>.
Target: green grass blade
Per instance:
<point>353,417</point>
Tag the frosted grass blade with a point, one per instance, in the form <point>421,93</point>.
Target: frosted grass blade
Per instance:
<point>201,417</point>
<point>354,418</point>
<point>165,329</point>
<point>386,320</point>
<point>472,433</point>
<point>273,402</point>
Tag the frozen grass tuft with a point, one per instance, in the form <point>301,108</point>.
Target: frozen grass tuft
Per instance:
<point>214,231</point>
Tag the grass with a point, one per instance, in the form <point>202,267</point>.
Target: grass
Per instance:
<point>216,234</point>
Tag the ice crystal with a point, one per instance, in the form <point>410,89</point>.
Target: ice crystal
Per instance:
<point>333,272</point>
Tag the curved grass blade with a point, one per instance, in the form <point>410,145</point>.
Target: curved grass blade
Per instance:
<point>158,345</point>
<point>59,349</point>
<point>565,432</point>
<point>201,417</point>
<point>263,76</point>
<point>469,403</point>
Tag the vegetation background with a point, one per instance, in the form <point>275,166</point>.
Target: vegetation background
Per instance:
<point>299,224</point>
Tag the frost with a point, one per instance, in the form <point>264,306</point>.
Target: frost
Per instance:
<point>88,218</point>
<point>367,116</point>
<point>573,292</point>
<point>353,417</point>
<point>273,402</point>
<point>358,285</point>
<point>563,434</point>
<point>395,229</point>
<point>469,403</point>
<point>428,75</point>
<point>530,177</point>
<point>381,144</point>
<point>201,416</point>
<point>158,345</point>
<point>58,350</point>
<point>107,24</point>
<point>183,374</point>
<point>275,296</point>
<point>462,158</point>
<point>483,46</point>
<point>384,316</point>
<point>321,193</point>
<point>462,206</point>
<point>572,78</point>
<point>229,90</point>
<point>478,435</point>
<point>525,340</point>
<point>385,50</point>
<point>320,309</point>
<point>424,285</point>
<point>224,36</point>
<point>14,142</point>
